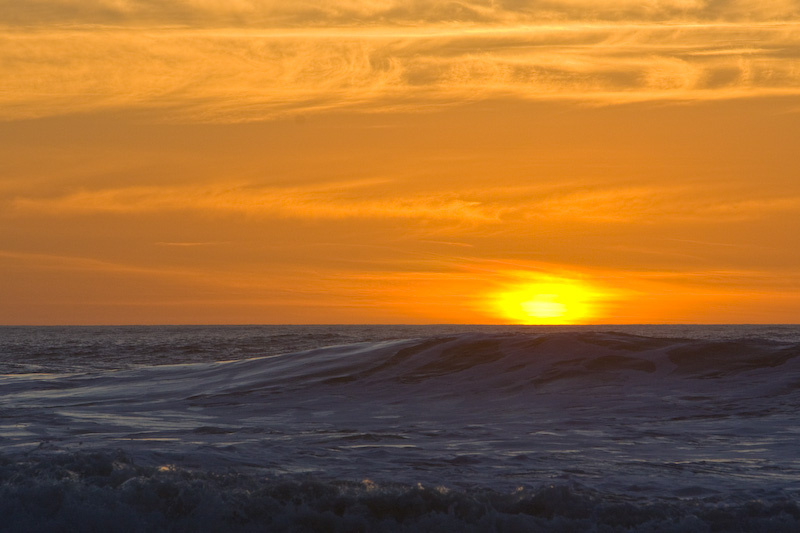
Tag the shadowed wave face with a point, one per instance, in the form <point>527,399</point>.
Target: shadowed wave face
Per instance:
<point>552,430</point>
<point>498,364</point>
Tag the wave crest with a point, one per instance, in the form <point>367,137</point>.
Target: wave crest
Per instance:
<point>504,362</point>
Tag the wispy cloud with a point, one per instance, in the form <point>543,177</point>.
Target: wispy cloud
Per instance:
<point>247,74</point>
<point>313,202</point>
<point>188,244</point>
<point>270,13</point>
<point>506,207</point>
<point>658,204</point>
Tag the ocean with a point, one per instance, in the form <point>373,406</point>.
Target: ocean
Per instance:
<point>400,428</point>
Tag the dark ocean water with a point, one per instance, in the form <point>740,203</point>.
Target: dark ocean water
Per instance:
<point>400,428</point>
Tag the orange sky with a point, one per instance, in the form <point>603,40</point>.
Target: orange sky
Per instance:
<point>382,161</point>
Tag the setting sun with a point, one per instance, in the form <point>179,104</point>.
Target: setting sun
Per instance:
<point>560,301</point>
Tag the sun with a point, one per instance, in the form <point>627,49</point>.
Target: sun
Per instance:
<point>558,301</point>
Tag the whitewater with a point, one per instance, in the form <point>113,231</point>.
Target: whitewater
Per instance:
<point>400,428</point>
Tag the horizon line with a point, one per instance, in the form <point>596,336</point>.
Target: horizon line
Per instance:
<point>677,324</point>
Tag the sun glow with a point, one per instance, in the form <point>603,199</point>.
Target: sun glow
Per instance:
<point>556,301</point>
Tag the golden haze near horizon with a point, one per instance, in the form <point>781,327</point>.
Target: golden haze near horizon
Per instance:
<point>387,161</point>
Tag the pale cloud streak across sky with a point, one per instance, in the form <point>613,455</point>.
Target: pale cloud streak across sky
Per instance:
<point>279,13</point>
<point>371,199</point>
<point>313,203</point>
<point>384,56</point>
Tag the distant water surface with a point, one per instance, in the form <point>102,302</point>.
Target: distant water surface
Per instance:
<point>26,349</point>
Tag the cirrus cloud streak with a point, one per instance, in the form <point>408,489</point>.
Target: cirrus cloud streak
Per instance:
<point>209,75</point>
<point>375,199</point>
<point>281,13</point>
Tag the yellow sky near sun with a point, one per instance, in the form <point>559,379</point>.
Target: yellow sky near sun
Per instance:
<point>353,161</point>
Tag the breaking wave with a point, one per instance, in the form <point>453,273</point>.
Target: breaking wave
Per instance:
<point>107,492</point>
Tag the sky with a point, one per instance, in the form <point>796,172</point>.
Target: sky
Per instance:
<point>388,161</point>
